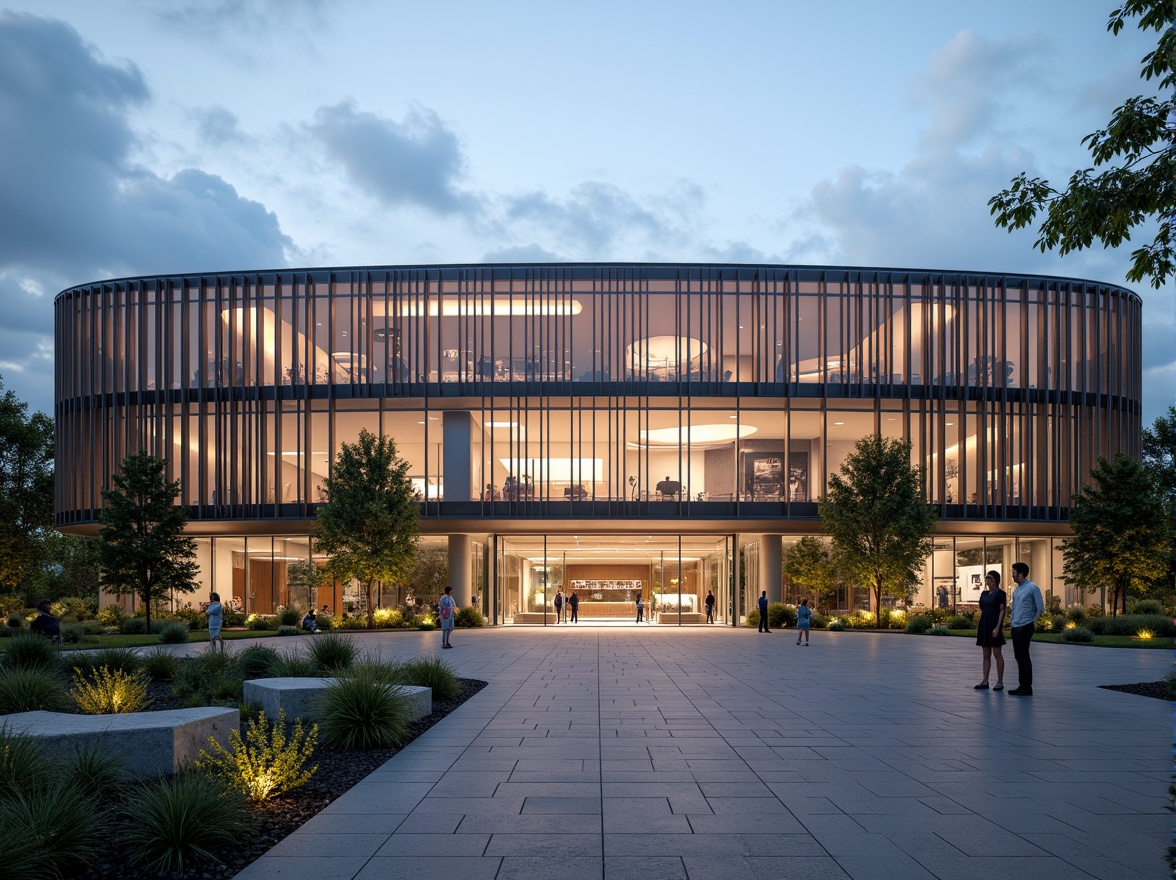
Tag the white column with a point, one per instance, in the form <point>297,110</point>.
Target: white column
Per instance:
<point>460,576</point>
<point>770,558</point>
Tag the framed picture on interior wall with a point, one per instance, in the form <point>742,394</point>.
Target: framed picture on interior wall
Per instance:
<point>798,476</point>
<point>763,475</point>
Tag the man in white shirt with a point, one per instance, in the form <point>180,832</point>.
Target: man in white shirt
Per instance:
<point>1027,607</point>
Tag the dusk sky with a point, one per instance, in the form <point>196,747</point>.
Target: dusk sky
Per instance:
<point>164,136</point>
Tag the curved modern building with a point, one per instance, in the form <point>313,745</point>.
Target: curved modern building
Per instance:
<point>619,429</point>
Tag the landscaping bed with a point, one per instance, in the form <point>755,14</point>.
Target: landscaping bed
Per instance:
<point>337,772</point>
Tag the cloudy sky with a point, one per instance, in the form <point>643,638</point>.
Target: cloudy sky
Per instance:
<point>167,136</point>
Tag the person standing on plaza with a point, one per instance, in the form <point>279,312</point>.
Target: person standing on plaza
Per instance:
<point>763,612</point>
<point>640,609</point>
<point>574,606</point>
<point>710,607</point>
<point>1027,607</point>
<point>448,610</point>
<point>559,603</point>
<point>216,620</point>
<point>804,620</point>
<point>989,635</point>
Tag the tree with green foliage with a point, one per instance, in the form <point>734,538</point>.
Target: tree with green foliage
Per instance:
<point>877,514</point>
<point>811,564</point>
<point>1159,457</point>
<point>430,574</point>
<point>69,567</point>
<point>1121,532</point>
<point>143,550</point>
<point>26,493</point>
<point>1138,185</point>
<point>369,520</point>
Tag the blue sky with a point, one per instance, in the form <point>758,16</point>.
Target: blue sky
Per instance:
<point>172,136</point>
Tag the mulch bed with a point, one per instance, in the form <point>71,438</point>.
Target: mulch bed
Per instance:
<point>337,772</point>
<point>1161,690</point>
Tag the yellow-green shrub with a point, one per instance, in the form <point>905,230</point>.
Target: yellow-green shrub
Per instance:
<point>265,763</point>
<point>112,692</point>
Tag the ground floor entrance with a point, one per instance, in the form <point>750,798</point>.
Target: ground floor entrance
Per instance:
<point>547,580</point>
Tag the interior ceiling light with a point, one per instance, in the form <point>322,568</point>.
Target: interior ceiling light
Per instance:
<point>482,306</point>
<point>695,435</point>
<point>666,351</point>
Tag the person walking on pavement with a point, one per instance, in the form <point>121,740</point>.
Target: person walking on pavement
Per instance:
<point>574,605</point>
<point>763,611</point>
<point>804,621</point>
<point>448,610</point>
<point>640,609</point>
<point>559,601</point>
<point>1027,607</point>
<point>710,607</point>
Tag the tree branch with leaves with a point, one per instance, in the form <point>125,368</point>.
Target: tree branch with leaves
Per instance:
<point>1137,152</point>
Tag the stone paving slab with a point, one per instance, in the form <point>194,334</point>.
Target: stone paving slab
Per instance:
<point>607,753</point>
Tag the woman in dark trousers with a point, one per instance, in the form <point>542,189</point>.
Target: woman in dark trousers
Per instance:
<point>989,632</point>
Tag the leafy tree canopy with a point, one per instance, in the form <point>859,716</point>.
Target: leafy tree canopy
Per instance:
<point>26,491</point>
<point>1133,180</point>
<point>810,564</point>
<point>1121,532</point>
<point>1159,453</point>
<point>143,550</point>
<point>369,521</point>
<point>877,514</point>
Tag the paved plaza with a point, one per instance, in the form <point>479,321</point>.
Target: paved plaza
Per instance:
<point>707,752</point>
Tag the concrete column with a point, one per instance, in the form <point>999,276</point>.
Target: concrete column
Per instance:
<point>460,576</point>
<point>770,558</point>
<point>455,454</point>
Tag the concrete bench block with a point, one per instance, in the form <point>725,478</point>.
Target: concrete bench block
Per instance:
<point>299,697</point>
<point>149,743</point>
<point>671,617</point>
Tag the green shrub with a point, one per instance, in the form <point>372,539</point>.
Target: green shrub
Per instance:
<point>259,661</point>
<point>97,771</point>
<point>174,632</point>
<point>112,615</point>
<point>426,624</point>
<point>939,629</point>
<point>359,711</point>
<point>917,625</point>
<point>1078,634</point>
<point>753,618</point>
<point>160,665</point>
<point>1057,622</point>
<point>124,659</point>
<point>1094,610</point>
<point>290,616</point>
<point>469,617</point>
<point>284,630</point>
<point>31,690</point>
<point>22,762</point>
<point>194,617</point>
<point>78,608</point>
<point>432,672</point>
<point>1076,614</point>
<point>294,665</point>
<point>1131,624</point>
<point>960,621</point>
<point>93,628</point>
<point>781,615</point>
<point>264,763</point>
<point>48,831</point>
<point>28,650</point>
<point>133,626</point>
<point>112,692</point>
<point>172,824</point>
<point>350,623</point>
<point>835,625</point>
<point>234,619</point>
<point>333,653</point>
<point>210,678</point>
<point>16,621</point>
<point>861,620</point>
<point>260,624</point>
<point>1170,678</point>
<point>388,618</point>
<point>1146,606</point>
<point>820,621</point>
<point>389,672</point>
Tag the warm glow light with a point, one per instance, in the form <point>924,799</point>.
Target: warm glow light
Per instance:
<point>482,306</point>
<point>1145,634</point>
<point>695,435</point>
<point>556,470</point>
<point>503,424</point>
<point>666,351</point>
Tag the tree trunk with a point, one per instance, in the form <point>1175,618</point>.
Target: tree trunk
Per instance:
<point>367,594</point>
